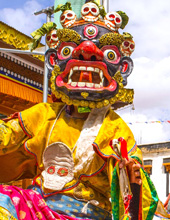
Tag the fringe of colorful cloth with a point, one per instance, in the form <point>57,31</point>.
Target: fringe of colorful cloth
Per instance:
<point>19,204</point>
<point>149,203</point>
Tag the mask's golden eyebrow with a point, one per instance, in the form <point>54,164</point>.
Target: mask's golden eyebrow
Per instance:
<point>111,39</point>
<point>68,35</point>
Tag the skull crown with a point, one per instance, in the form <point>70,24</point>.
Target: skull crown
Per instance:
<point>90,12</point>
<point>67,18</point>
<point>113,20</point>
<point>52,39</point>
<point>127,47</point>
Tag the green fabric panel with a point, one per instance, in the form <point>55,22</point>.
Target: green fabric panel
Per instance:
<point>115,194</point>
<point>76,7</point>
<point>136,158</point>
<point>155,199</point>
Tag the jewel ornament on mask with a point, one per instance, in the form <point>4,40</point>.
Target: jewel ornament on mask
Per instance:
<point>90,31</point>
<point>68,18</point>
<point>58,166</point>
<point>113,20</point>
<point>52,39</point>
<point>90,12</point>
<point>127,47</point>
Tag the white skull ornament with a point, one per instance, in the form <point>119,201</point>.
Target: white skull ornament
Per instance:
<point>58,165</point>
<point>113,20</point>
<point>127,47</point>
<point>90,12</point>
<point>52,39</point>
<point>67,18</point>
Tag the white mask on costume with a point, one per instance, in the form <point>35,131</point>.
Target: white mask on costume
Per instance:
<point>58,165</point>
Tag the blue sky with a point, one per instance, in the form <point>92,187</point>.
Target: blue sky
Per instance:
<point>20,14</point>
<point>20,3</point>
<point>149,25</point>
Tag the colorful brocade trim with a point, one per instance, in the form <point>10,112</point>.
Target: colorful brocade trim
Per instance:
<point>114,155</point>
<point>73,207</point>
<point>22,126</point>
<point>5,215</point>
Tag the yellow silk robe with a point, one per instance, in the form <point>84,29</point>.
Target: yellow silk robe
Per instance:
<point>23,140</point>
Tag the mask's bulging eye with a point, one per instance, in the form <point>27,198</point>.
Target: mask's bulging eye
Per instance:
<point>66,51</point>
<point>110,55</point>
<point>51,170</point>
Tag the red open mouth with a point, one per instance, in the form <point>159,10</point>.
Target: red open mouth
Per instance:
<point>86,75</point>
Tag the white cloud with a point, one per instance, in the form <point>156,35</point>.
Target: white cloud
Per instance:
<point>150,81</point>
<point>148,23</point>
<point>23,19</point>
<point>147,128</point>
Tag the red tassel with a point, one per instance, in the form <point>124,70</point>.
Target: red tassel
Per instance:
<point>123,148</point>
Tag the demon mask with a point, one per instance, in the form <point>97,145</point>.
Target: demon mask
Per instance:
<point>92,61</point>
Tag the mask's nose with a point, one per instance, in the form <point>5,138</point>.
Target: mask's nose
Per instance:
<point>88,51</point>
